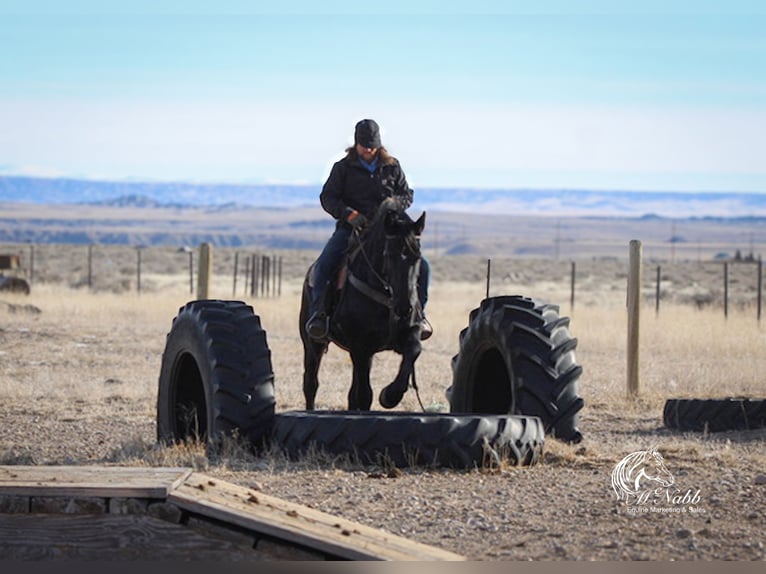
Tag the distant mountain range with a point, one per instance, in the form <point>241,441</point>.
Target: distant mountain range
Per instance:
<point>554,202</point>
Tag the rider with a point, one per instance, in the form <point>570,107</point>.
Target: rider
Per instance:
<point>356,187</point>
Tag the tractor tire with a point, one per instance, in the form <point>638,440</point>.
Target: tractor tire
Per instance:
<point>516,357</point>
<point>216,377</point>
<point>14,285</point>
<point>714,415</point>
<point>405,439</point>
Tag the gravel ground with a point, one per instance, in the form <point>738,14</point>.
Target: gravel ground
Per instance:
<point>561,509</point>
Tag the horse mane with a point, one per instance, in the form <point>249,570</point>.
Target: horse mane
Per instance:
<point>376,229</point>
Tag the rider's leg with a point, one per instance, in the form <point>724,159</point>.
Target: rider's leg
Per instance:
<point>329,260</point>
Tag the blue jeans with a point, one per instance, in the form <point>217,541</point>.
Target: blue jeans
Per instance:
<point>331,258</point>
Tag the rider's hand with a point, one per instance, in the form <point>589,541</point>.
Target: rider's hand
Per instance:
<point>356,219</point>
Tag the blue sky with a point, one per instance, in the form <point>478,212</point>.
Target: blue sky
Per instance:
<point>519,94</point>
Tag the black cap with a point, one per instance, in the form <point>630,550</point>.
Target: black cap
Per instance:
<point>367,133</point>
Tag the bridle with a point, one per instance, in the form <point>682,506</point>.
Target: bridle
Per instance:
<point>385,293</point>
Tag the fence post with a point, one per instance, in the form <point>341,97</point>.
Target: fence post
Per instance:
<point>273,275</point>
<point>726,289</point>
<point>205,270</point>
<point>657,294</point>
<point>634,312</point>
<point>265,275</point>
<point>760,286</point>
<point>236,264</point>
<point>279,287</point>
<point>247,275</point>
<point>191,271</point>
<point>254,269</point>
<point>572,289</point>
<point>90,266</point>
<point>31,263</point>
<point>138,269</point>
<point>489,274</point>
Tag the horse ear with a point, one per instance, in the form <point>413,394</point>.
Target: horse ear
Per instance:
<point>420,224</point>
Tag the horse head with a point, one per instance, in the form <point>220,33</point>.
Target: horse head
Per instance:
<point>401,261</point>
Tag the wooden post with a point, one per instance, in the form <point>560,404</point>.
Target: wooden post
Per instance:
<point>31,263</point>
<point>205,270</point>
<point>657,294</point>
<point>236,264</point>
<point>90,266</point>
<point>572,289</point>
<point>279,287</point>
<point>138,270</point>
<point>265,275</point>
<point>273,275</point>
<point>760,287</point>
<point>191,271</point>
<point>255,270</point>
<point>247,274</point>
<point>489,269</point>
<point>726,289</point>
<point>634,312</point>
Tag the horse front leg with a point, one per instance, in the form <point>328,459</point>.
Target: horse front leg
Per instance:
<point>360,394</point>
<point>312,359</point>
<point>392,394</point>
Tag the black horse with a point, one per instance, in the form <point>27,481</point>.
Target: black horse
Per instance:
<point>375,309</point>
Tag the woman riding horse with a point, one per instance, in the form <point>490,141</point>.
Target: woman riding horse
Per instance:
<point>376,309</point>
<point>358,184</point>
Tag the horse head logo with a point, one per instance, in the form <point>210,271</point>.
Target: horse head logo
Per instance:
<point>639,474</point>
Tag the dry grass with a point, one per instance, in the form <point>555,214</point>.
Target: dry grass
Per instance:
<point>686,350</point>
<point>104,344</point>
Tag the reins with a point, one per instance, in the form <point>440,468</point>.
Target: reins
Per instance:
<point>417,392</point>
<point>386,299</point>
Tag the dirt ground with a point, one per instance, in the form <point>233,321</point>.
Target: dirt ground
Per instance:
<point>78,381</point>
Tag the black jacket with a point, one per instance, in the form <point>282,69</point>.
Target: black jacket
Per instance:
<point>351,186</point>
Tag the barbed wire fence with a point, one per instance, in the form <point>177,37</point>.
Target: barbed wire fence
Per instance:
<point>736,282</point>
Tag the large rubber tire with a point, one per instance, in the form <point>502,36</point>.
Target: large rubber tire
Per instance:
<point>715,415</point>
<point>216,377</point>
<point>15,285</point>
<point>408,439</point>
<point>516,356</point>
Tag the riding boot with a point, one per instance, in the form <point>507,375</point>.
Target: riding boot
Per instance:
<point>318,325</point>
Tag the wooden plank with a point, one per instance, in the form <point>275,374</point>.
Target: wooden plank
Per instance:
<point>104,481</point>
<point>295,523</point>
<point>109,538</point>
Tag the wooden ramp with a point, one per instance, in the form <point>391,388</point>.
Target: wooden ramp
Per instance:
<point>94,512</point>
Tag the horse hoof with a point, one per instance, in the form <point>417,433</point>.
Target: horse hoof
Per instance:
<point>389,399</point>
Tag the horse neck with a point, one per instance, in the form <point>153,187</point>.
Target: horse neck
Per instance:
<point>367,261</point>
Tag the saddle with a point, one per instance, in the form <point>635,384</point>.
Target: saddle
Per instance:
<point>332,293</point>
